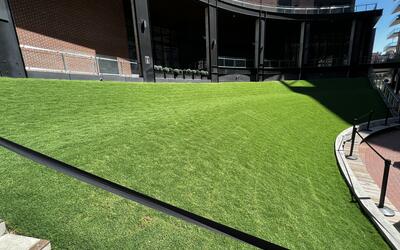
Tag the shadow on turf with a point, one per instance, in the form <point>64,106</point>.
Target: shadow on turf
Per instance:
<point>347,98</point>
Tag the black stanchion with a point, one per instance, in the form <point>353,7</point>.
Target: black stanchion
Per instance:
<point>369,119</point>
<point>353,139</point>
<point>385,210</point>
<point>387,116</point>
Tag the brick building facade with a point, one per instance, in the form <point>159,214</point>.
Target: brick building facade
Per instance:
<point>82,29</point>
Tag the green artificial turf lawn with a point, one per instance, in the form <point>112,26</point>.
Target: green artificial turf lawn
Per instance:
<point>256,156</point>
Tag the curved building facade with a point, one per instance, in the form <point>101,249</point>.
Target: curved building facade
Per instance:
<point>230,39</point>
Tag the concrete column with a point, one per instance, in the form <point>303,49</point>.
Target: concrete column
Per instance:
<point>11,61</point>
<point>212,39</point>
<point>141,21</point>
<point>259,47</point>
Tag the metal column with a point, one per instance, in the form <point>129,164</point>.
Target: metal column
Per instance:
<point>11,61</point>
<point>351,46</point>
<point>141,21</point>
<point>212,39</point>
<point>303,48</point>
<point>259,47</point>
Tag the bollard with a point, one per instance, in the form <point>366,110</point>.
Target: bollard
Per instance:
<point>353,139</point>
<point>369,119</point>
<point>387,117</point>
<point>385,210</point>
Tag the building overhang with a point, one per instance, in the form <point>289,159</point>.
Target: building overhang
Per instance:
<point>395,22</point>
<point>232,5</point>
<point>394,34</point>
<point>397,9</point>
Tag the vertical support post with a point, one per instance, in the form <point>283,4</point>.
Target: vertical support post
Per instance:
<point>303,46</point>
<point>369,119</point>
<point>385,210</point>
<point>64,63</point>
<point>387,116</point>
<point>96,68</point>
<point>121,73</point>
<point>141,23</point>
<point>394,74</point>
<point>397,86</point>
<point>259,47</point>
<point>65,66</point>
<point>11,60</point>
<point>212,39</point>
<point>353,140</point>
<point>351,47</point>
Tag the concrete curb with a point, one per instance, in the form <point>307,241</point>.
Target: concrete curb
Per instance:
<point>10,241</point>
<point>388,231</point>
<point>3,228</point>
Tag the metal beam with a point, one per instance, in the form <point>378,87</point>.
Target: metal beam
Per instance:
<point>11,61</point>
<point>141,23</point>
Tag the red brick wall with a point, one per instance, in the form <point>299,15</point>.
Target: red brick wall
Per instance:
<point>81,26</point>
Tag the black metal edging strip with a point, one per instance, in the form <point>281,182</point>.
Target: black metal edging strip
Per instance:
<point>135,196</point>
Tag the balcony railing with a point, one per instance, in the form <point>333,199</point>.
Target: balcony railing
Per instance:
<point>397,9</point>
<point>63,62</point>
<point>390,46</point>
<point>338,9</point>
<point>394,33</point>
<point>232,62</point>
<point>395,21</point>
<point>271,63</point>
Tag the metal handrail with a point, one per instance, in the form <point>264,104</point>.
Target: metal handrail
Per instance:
<point>387,163</point>
<point>125,67</point>
<point>133,195</point>
<point>389,97</point>
<point>334,9</point>
<point>270,63</point>
<point>369,145</point>
<point>235,62</point>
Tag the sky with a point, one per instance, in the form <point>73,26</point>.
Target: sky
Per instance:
<point>382,27</point>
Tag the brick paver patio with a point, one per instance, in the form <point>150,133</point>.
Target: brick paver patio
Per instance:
<point>388,145</point>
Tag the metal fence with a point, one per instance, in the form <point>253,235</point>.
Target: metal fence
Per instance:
<point>390,98</point>
<point>386,163</point>
<point>232,62</point>
<point>280,63</point>
<point>53,61</point>
<point>304,10</point>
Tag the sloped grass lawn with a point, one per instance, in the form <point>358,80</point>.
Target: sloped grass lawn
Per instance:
<point>255,156</point>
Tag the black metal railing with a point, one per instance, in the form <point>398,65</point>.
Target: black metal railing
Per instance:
<point>133,195</point>
<point>387,162</point>
<point>334,9</point>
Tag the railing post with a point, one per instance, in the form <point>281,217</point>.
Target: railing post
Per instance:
<point>387,116</point>
<point>65,66</point>
<point>369,119</point>
<point>385,210</point>
<point>96,66</point>
<point>353,139</point>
